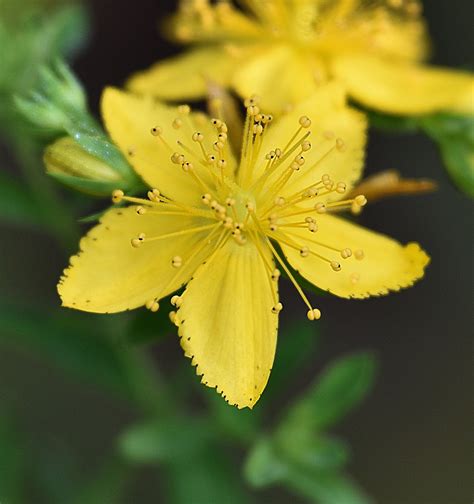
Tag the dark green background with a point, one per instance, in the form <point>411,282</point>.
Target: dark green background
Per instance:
<point>412,438</point>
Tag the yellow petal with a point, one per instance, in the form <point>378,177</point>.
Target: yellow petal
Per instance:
<point>280,75</point>
<point>331,120</point>
<point>386,264</point>
<point>129,120</point>
<point>228,328</point>
<point>405,88</point>
<point>109,275</point>
<point>185,77</point>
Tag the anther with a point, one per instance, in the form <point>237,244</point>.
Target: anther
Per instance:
<point>279,201</point>
<point>222,137</point>
<point>335,266</point>
<point>277,308</point>
<point>273,227</point>
<point>222,163</point>
<point>177,262</point>
<point>304,251</point>
<point>314,314</point>
<point>228,223</point>
<point>341,187</point>
<point>152,305</point>
<point>117,196</point>
<point>154,195</point>
<point>250,206</point>
<point>218,146</point>
<point>176,301</point>
<point>360,200</point>
<point>329,135</point>
<point>198,137</point>
<point>346,253</point>
<point>206,198</point>
<point>306,146</point>
<point>230,202</point>
<point>136,242</point>
<point>177,158</point>
<point>305,121</point>
<point>184,109</point>
<point>359,254</point>
<point>217,123</point>
<point>187,166</point>
<point>177,123</point>
<point>141,210</point>
<point>156,131</point>
<point>320,208</point>
<point>340,145</point>
<point>276,275</point>
<point>211,158</point>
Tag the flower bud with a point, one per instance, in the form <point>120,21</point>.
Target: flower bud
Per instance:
<point>72,165</point>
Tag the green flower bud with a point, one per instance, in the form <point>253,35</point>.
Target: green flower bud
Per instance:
<point>72,165</point>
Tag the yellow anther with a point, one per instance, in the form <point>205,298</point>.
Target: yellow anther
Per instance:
<point>218,146</point>
<point>273,227</point>
<point>278,153</point>
<point>177,123</point>
<point>346,253</point>
<point>335,266</point>
<point>214,204</point>
<point>222,163</point>
<point>354,278</point>
<point>230,202</point>
<point>279,201</point>
<point>304,251</point>
<point>359,254</point>
<point>154,195</point>
<point>253,100</point>
<point>222,137</point>
<point>306,146</point>
<point>141,210</point>
<point>257,129</point>
<point>156,131</point>
<point>329,135</point>
<point>136,242</point>
<point>154,307</point>
<point>187,166</point>
<point>341,187</point>
<point>276,275</point>
<point>184,109</point>
<point>271,155</point>
<point>320,208</point>
<point>277,308</point>
<point>177,262</point>
<point>211,158</point>
<point>360,200</point>
<point>305,121</point>
<point>340,145</point>
<point>311,192</point>
<point>314,314</point>
<point>313,227</point>
<point>223,128</point>
<point>217,123</point>
<point>117,196</point>
<point>177,158</point>
<point>228,223</point>
<point>173,319</point>
<point>198,137</point>
<point>176,301</point>
<point>250,206</point>
<point>206,198</point>
<point>300,160</point>
<point>253,110</point>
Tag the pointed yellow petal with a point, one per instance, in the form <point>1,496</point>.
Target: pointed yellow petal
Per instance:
<point>282,76</point>
<point>228,328</point>
<point>331,120</point>
<point>129,120</point>
<point>383,265</point>
<point>109,275</point>
<point>405,88</point>
<point>185,77</point>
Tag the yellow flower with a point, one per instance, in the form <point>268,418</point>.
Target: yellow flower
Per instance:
<point>284,50</point>
<point>216,225</point>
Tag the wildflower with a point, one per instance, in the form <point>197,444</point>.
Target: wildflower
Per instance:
<point>285,50</point>
<point>223,228</point>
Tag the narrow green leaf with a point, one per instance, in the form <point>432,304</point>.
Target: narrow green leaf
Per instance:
<point>264,466</point>
<point>342,386</point>
<point>325,487</point>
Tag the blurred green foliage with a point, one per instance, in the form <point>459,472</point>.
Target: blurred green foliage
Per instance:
<point>453,135</point>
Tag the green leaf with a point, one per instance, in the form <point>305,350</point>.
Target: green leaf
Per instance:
<point>311,451</point>
<point>70,343</point>
<point>17,205</point>
<point>264,466</point>
<point>166,439</point>
<point>325,487</point>
<point>454,135</point>
<point>342,386</point>
<point>392,123</point>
